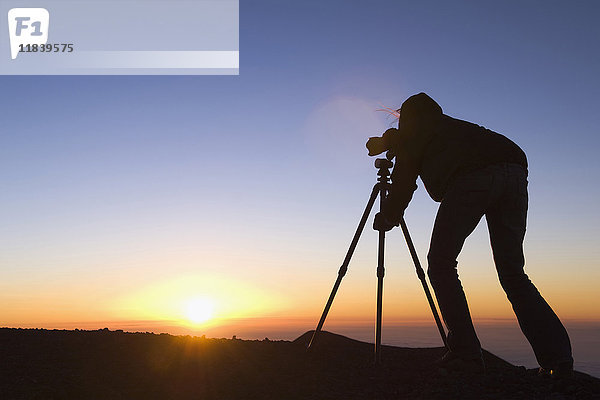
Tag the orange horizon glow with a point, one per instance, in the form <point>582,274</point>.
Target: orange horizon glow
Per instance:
<point>198,303</point>
<point>163,299</point>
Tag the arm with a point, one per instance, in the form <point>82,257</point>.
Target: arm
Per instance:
<point>404,177</point>
<point>409,148</point>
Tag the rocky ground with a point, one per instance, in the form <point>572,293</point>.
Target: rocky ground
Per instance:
<point>43,364</point>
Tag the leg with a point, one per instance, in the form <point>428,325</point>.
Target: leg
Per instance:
<point>506,220</point>
<point>461,210</point>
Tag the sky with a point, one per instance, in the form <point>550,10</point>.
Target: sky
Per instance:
<point>129,198</point>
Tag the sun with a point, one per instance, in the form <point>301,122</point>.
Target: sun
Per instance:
<point>199,310</point>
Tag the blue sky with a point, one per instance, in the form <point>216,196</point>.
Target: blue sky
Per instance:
<point>265,174</point>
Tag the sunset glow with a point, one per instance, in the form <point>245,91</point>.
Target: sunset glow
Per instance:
<point>224,206</point>
<point>199,310</point>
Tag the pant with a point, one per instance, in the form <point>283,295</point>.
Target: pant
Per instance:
<point>500,193</point>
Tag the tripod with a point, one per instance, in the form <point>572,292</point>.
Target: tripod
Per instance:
<point>380,189</point>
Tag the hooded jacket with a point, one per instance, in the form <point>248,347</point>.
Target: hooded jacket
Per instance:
<point>438,148</point>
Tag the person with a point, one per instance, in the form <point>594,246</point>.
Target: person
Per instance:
<point>472,172</point>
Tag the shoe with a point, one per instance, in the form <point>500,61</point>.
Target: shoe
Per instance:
<point>453,362</point>
<point>561,371</point>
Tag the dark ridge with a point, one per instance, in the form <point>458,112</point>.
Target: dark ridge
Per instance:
<point>328,338</point>
<point>60,364</point>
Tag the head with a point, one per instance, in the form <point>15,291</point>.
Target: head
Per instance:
<point>419,112</point>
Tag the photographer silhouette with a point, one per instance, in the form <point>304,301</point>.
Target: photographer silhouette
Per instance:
<point>472,172</point>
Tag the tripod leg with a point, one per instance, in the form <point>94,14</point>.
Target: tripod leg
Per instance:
<point>380,275</point>
<point>421,275</point>
<point>344,267</point>
<point>383,189</point>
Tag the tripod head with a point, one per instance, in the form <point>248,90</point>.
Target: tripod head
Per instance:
<point>384,165</point>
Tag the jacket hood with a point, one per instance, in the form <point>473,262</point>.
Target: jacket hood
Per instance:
<point>419,108</point>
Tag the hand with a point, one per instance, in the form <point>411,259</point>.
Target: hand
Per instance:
<point>382,224</point>
<point>376,145</point>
